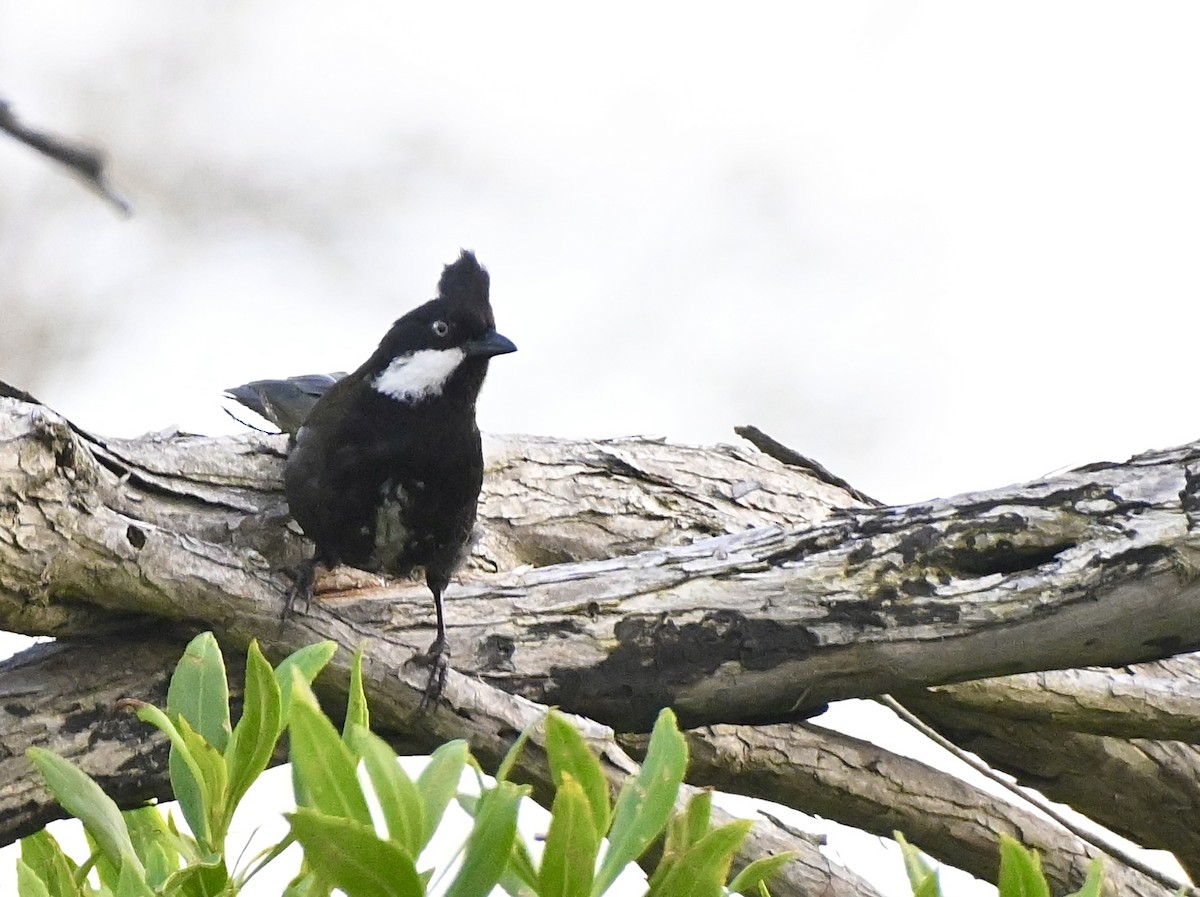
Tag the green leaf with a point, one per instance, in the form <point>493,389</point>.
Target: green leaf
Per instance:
<point>571,844</point>
<point>645,802</point>
<point>198,706</point>
<point>521,877</point>
<point>155,843</point>
<point>82,798</point>
<point>697,817</point>
<point>264,858</point>
<point>703,868</point>
<point>209,879</point>
<point>490,842</point>
<point>516,886</point>
<point>41,852</point>
<point>132,883</point>
<point>1020,871</point>
<point>199,691</point>
<point>308,661</point>
<point>569,753</point>
<point>301,886</point>
<point>356,702</point>
<point>922,877</point>
<point>438,783</point>
<point>187,780</point>
<point>29,884</point>
<point>746,882</point>
<point>108,872</point>
<point>257,731</point>
<point>513,754</point>
<point>683,830</point>
<point>351,856</point>
<point>214,785</point>
<point>321,760</point>
<point>403,810</point>
<point>1093,886</point>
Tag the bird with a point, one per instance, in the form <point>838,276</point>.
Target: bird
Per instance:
<point>385,467</point>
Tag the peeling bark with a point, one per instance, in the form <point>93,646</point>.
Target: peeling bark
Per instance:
<point>616,577</point>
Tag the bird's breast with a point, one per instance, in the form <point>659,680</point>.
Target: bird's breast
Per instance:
<point>393,536</point>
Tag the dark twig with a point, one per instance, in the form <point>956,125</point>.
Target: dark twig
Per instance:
<point>793,458</point>
<point>1089,836</point>
<point>87,163</point>
<point>8,391</point>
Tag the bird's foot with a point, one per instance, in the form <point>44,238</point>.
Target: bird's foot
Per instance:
<point>438,657</point>
<point>304,577</point>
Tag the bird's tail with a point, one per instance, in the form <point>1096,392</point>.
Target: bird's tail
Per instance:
<point>284,403</point>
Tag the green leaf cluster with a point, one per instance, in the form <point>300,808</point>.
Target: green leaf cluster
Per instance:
<point>361,821</point>
<point>1020,872</point>
<point>140,853</point>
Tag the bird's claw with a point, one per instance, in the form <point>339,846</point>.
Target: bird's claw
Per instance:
<point>304,577</point>
<point>438,657</point>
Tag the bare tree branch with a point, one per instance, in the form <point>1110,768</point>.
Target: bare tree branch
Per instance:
<point>88,164</point>
<point>1158,700</point>
<point>762,625</point>
<point>615,577</point>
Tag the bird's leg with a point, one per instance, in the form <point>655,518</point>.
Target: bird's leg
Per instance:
<point>304,576</point>
<point>439,659</point>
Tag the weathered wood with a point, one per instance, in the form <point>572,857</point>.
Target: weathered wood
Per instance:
<point>1159,700</point>
<point>759,625</point>
<point>615,577</point>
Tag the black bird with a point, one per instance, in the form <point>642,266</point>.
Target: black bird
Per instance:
<point>385,471</point>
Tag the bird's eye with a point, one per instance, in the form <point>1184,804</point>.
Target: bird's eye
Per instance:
<point>439,328</point>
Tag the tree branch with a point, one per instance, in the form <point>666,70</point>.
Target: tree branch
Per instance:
<point>761,625</point>
<point>88,164</point>
<point>1158,700</point>
<point>613,578</point>
<point>1129,786</point>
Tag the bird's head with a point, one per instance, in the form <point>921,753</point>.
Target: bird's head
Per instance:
<point>441,347</point>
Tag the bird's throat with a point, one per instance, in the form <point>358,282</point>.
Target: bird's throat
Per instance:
<point>419,375</point>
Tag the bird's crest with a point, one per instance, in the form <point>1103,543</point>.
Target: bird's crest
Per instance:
<point>465,283</point>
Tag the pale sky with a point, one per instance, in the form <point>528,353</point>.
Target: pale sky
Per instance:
<point>937,246</point>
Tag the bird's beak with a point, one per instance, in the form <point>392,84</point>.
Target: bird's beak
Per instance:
<point>492,343</point>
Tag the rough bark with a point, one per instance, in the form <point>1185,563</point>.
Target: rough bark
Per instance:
<point>1158,700</point>
<point>613,578</point>
<point>61,695</point>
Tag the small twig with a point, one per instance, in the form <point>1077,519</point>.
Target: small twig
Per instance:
<point>792,458</point>
<point>8,391</point>
<point>1036,800</point>
<point>88,164</point>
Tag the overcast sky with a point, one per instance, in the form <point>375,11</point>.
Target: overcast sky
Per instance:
<point>937,246</point>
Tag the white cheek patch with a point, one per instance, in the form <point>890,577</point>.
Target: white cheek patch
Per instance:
<point>418,375</point>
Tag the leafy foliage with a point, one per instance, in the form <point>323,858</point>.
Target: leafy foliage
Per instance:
<point>1020,872</point>
<point>340,777</point>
